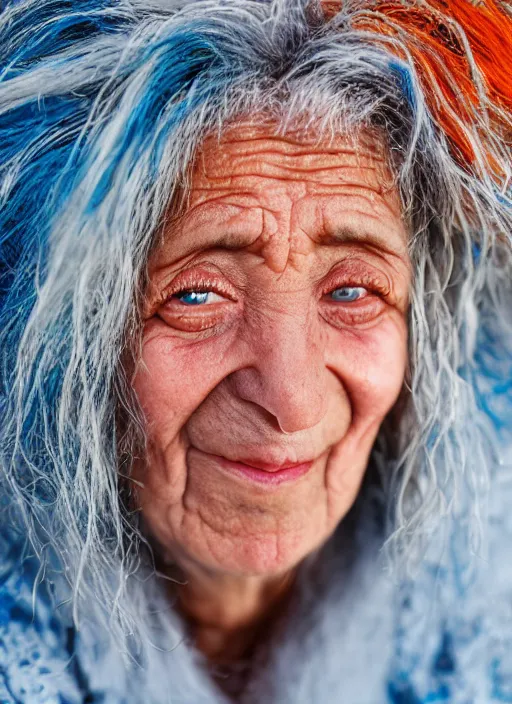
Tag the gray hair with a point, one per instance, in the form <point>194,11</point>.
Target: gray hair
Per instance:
<point>102,108</point>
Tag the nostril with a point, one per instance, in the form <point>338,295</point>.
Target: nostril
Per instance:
<point>284,432</point>
<point>294,391</point>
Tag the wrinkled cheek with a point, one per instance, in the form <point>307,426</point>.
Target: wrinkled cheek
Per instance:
<point>167,398</point>
<point>378,367</point>
<point>373,370</point>
<point>170,385</point>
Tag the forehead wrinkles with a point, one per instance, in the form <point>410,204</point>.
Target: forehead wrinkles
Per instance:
<point>219,165</point>
<point>271,190</point>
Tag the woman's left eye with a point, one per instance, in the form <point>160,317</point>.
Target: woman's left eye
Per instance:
<point>198,298</point>
<point>348,294</point>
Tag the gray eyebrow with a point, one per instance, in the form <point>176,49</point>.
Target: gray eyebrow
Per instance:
<point>378,240</point>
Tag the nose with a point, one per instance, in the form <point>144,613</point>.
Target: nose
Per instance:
<point>288,378</point>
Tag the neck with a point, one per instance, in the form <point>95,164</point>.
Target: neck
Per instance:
<point>228,614</point>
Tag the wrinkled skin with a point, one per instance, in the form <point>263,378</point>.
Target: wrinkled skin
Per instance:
<point>270,366</point>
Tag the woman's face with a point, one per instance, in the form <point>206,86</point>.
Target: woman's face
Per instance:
<point>274,345</point>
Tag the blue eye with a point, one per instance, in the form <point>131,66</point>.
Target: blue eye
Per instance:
<point>348,294</point>
<point>197,298</point>
<point>193,298</point>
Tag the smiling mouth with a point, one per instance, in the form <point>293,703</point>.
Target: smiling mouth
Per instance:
<point>264,474</point>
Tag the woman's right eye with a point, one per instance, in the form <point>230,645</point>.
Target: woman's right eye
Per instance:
<point>197,298</point>
<point>196,309</point>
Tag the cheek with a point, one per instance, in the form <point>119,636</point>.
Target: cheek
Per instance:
<point>174,377</point>
<point>371,365</point>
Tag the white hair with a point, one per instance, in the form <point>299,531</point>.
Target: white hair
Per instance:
<point>102,108</point>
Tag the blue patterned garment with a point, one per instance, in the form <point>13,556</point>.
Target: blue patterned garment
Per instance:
<point>37,660</point>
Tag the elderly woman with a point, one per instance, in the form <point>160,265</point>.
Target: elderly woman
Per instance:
<point>255,351</point>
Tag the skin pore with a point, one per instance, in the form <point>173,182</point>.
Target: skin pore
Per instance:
<point>274,335</point>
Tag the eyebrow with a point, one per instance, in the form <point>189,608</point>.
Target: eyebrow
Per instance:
<point>345,234</point>
<point>375,239</point>
<point>340,235</point>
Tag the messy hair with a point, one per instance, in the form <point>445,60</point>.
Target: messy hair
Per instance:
<point>103,104</point>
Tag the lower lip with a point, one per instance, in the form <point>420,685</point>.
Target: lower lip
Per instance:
<point>280,476</point>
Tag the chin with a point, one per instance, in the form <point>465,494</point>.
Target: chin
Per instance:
<point>266,555</point>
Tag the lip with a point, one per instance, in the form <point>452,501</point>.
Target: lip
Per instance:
<point>265,473</point>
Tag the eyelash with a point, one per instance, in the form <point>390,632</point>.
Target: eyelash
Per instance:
<point>205,318</point>
<point>201,289</point>
<point>370,284</point>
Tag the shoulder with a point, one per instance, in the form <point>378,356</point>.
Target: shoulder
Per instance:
<point>36,649</point>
